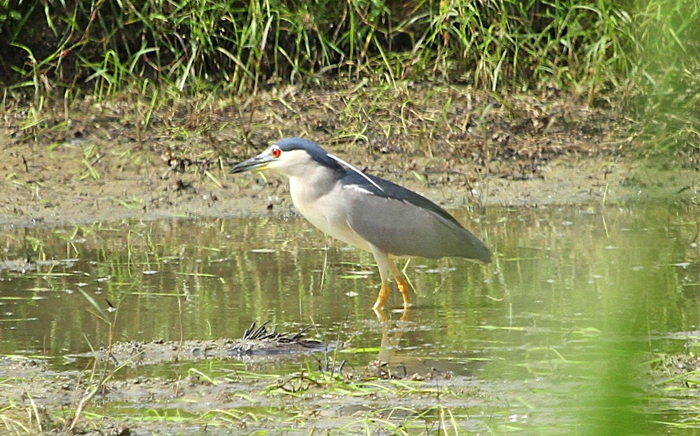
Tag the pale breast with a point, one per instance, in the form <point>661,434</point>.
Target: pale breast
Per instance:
<point>320,208</point>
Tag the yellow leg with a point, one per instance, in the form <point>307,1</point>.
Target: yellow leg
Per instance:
<point>401,283</point>
<point>384,264</point>
<point>384,292</point>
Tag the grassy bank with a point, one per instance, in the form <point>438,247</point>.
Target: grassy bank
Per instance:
<point>638,55</point>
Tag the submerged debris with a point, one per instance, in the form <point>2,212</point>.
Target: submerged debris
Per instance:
<point>258,340</point>
<point>257,343</point>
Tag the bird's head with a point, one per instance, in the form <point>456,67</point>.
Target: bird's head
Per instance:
<point>289,157</point>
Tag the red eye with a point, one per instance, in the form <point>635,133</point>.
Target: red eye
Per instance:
<point>276,152</point>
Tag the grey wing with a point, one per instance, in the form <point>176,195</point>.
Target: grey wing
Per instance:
<point>401,228</point>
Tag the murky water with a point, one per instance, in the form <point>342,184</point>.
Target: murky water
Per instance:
<point>558,327</point>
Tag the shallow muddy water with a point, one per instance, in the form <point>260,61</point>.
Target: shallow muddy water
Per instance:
<point>552,337</point>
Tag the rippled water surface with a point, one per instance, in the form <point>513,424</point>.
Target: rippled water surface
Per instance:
<point>560,325</point>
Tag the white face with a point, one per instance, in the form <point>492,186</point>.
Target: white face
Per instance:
<point>289,163</point>
<point>293,163</point>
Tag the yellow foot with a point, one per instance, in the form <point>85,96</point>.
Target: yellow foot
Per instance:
<point>381,316</point>
<point>384,292</point>
<point>404,315</point>
<point>403,288</point>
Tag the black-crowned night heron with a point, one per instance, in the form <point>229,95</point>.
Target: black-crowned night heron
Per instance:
<point>365,211</point>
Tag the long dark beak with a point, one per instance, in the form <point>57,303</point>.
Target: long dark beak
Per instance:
<point>258,162</point>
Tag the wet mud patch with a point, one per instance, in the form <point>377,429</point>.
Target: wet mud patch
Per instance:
<point>222,396</point>
<point>677,384</point>
<point>454,144</point>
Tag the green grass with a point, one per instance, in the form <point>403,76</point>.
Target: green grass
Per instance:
<point>242,46</point>
<point>643,54</point>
